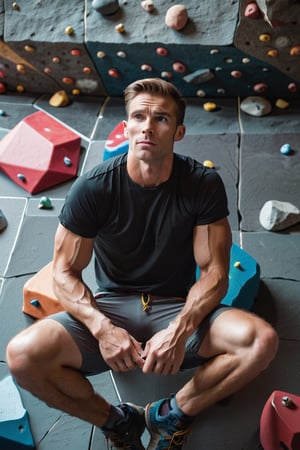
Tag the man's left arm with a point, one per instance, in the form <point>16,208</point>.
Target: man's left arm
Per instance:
<point>212,245</point>
<point>212,242</point>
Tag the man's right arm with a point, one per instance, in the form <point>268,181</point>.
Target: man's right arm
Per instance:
<point>72,253</point>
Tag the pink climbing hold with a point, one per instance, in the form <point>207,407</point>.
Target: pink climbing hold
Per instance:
<point>252,11</point>
<point>176,17</point>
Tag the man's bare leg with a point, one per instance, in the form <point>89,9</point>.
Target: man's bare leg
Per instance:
<point>45,361</point>
<point>241,346</point>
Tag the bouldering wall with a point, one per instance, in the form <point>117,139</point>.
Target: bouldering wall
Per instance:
<point>222,49</point>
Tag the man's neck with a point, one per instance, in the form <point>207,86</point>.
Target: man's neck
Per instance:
<point>149,174</point>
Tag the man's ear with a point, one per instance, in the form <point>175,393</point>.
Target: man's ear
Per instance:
<point>179,133</point>
<point>125,132</point>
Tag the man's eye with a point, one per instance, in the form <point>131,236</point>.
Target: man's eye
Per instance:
<point>161,118</point>
<point>138,116</point>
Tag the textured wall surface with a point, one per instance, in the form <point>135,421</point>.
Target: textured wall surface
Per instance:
<point>48,46</point>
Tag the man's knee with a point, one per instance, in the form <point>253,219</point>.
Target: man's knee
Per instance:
<point>265,345</point>
<point>251,339</point>
<point>18,356</point>
<point>31,351</point>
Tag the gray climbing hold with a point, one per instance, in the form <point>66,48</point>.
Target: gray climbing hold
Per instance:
<point>256,106</point>
<point>106,7</point>
<point>199,76</point>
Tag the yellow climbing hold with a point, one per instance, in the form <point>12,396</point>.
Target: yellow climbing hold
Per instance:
<point>60,98</point>
<point>209,106</point>
<point>264,37</point>
<point>120,28</point>
<point>20,88</point>
<point>281,103</point>
<point>208,163</point>
<point>69,31</point>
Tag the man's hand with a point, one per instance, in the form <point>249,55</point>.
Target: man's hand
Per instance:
<point>164,352</point>
<point>120,350</point>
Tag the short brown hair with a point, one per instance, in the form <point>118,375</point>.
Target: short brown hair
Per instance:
<point>156,86</point>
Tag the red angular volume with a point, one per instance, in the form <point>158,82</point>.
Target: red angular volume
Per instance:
<point>39,153</point>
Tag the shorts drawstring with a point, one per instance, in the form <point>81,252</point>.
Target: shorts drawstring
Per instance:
<point>146,300</point>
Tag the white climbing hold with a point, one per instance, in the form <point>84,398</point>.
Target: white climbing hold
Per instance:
<point>276,215</point>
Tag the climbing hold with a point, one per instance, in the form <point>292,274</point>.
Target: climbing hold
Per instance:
<point>209,164</point>
<point>100,55</point>
<point>199,76</point>
<point>146,67</point>
<point>20,88</point>
<point>209,106</point>
<point>214,51</point>
<point>45,141</point>
<point>69,31</point>
<point>75,52</point>
<point>21,177</point>
<point>15,6</point>
<point>281,103</point>
<point>29,48</point>
<point>3,221</point>
<point>148,5</point>
<point>200,93</point>
<point>161,51</point>
<point>121,54</point>
<point>35,303</point>
<point>2,113</point>
<point>166,74</point>
<point>113,73</point>
<point>120,28</point>
<point>106,7</point>
<point>56,59</point>
<point>295,51</point>
<point>264,37</point>
<point>47,70</point>
<point>286,149</point>
<point>45,203</point>
<point>292,87</point>
<point>282,41</point>
<point>236,74</point>
<point>60,98</point>
<point>256,106</point>
<point>260,87</point>
<point>76,91</point>
<point>272,53</point>
<point>176,17</point>
<point>67,161</point>
<point>252,11</point>
<point>288,402</point>
<point>2,88</point>
<point>68,80</point>
<point>87,70</point>
<point>276,215</point>
<point>237,265</point>
<point>179,67</point>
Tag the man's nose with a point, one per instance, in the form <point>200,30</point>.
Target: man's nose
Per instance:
<point>148,126</point>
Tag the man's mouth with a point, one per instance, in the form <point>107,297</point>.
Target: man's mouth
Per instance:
<point>145,142</point>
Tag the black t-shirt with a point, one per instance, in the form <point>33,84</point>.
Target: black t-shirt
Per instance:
<point>143,236</point>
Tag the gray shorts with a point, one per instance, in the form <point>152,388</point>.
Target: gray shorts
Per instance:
<point>127,311</point>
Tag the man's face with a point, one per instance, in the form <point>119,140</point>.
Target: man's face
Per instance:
<point>152,127</point>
